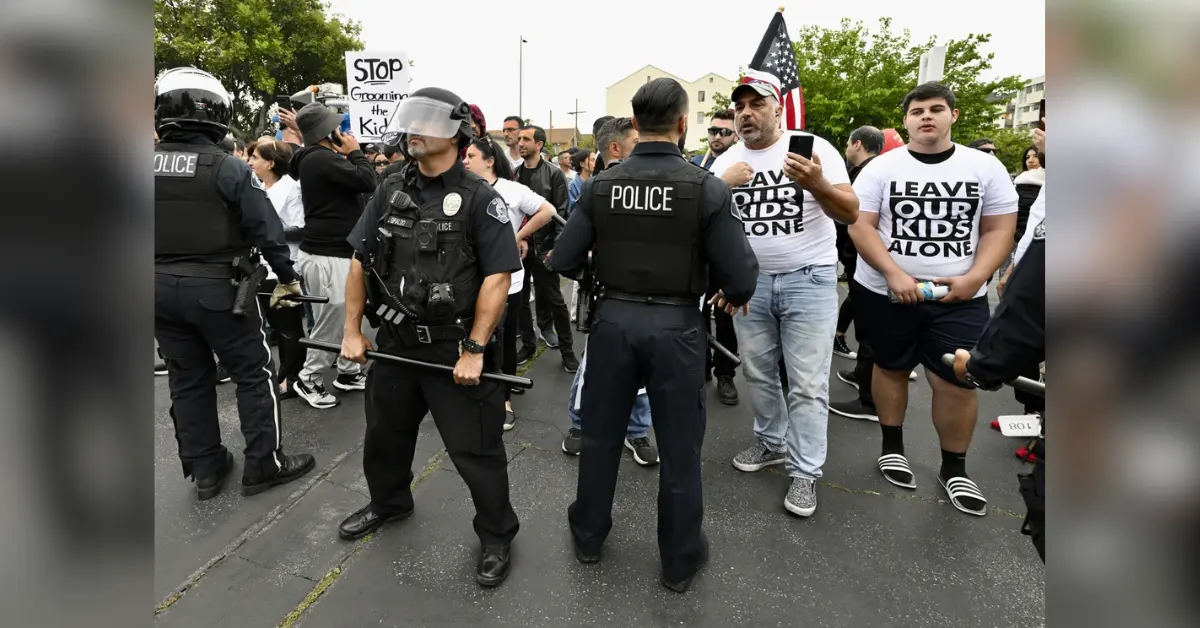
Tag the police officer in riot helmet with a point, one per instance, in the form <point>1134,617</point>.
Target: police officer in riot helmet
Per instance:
<point>434,253</point>
<point>209,211</point>
<point>663,230</point>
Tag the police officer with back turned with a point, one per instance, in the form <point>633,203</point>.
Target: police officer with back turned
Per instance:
<point>662,229</point>
<point>434,254</point>
<point>209,211</point>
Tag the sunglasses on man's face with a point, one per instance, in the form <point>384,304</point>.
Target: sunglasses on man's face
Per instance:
<point>380,164</point>
<point>990,151</point>
<point>716,130</point>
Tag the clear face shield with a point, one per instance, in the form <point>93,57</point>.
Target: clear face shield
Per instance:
<point>419,115</point>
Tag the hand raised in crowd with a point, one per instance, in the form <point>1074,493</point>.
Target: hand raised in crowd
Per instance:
<point>355,346</point>
<point>1039,139</point>
<point>805,173</point>
<point>904,287</point>
<point>468,369</point>
<point>961,288</point>
<point>349,143</point>
<point>287,122</point>
<point>719,301</point>
<point>738,174</point>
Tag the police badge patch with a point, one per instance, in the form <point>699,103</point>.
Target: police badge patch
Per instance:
<point>498,210</point>
<point>451,203</point>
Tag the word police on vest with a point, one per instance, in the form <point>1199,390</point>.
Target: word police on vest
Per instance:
<point>933,219</point>
<point>175,164</point>
<point>653,198</point>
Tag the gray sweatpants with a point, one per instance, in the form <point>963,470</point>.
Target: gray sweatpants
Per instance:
<point>325,277</point>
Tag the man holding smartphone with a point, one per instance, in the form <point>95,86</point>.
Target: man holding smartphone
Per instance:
<point>790,188</point>
<point>332,172</point>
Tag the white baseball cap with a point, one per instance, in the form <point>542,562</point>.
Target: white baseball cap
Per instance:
<point>764,83</point>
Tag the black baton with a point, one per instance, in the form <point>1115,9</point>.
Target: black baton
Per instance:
<point>1023,384</point>
<point>301,298</point>
<point>520,382</point>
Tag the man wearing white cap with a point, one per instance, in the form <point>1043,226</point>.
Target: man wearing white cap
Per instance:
<point>788,204</point>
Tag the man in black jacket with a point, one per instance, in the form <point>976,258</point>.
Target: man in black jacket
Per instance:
<point>333,173</point>
<point>548,181</point>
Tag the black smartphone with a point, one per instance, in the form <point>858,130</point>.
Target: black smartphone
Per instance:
<point>801,145</point>
<point>284,101</point>
<point>333,137</point>
<point>1041,121</point>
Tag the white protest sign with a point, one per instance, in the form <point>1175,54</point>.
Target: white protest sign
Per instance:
<point>376,83</point>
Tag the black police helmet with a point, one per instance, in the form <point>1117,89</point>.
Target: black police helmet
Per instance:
<point>191,100</point>
<point>461,110</point>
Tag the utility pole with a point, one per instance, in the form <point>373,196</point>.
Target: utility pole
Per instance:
<point>550,130</point>
<point>575,137</point>
<point>521,79</point>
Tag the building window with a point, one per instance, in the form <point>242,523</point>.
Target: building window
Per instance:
<point>699,117</point>
<point>710,79</point>
<point>647,78</point>
<point>701,97</point>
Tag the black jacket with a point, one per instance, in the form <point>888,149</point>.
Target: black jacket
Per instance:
<point>1029,183</point>
<point>549,182</point>
<point>332,204</point>
<point>1014,340</point>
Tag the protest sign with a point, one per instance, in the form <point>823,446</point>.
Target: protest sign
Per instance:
<point>376,83</point>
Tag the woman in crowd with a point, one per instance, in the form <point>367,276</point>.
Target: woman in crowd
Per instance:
<point>486,159</point>
<point>1029,182</point>
<point>269,160</point>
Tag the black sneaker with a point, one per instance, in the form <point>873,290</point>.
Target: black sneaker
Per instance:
<point>854,409</point>
<point>644,452</point>
<point>573,443</point>
<point>510,419</point>
<point>350,381</point>
<point>842,349</point>
<point>726,392</point>
<point>570,363</point>
<point>160,369</point>
<point>525,354</point>
<point>222,375</point>
<point>292,468</point>
<point>550,337</point>
<point>848,377</point>
<point>315,395</point>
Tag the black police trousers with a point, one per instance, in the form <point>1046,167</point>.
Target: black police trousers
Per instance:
<point>662,347</point>
<point>470,420</point>
<point>193,318</point>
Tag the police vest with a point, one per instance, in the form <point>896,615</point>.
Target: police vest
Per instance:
<point>648,239</point>
<point>422,246</point>
<point>190,215</point>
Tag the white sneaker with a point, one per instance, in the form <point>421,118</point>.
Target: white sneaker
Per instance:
<point>315,395</point>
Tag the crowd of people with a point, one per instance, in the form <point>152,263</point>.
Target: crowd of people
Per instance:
<point>451,244</point>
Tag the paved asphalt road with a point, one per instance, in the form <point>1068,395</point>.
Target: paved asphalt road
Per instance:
<point>873,555</point>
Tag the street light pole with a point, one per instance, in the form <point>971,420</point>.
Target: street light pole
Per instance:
<point>521,79</point>
<point>575,136</point>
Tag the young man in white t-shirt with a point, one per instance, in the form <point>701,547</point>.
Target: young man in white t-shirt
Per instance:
<point>941,212</point>
<point>788,206</point>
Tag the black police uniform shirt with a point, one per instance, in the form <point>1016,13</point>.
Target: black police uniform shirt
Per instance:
<point>495,246</point>
<point>239,188</point>
<point>732,264</point>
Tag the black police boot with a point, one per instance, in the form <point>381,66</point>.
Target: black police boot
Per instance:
<point>494,562</point>
<point>291,468</point>
<point>683,585</point>
<point>365,520</point>
<point>726,391</point>
<point>210,486</point>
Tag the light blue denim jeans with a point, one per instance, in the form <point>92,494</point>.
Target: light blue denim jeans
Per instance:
<point>794,315</point>
<point>639,418</point>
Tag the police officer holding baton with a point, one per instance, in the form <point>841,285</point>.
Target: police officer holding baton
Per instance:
<point>434,254</point>
<point>209,211</point>
<point>662,229</point>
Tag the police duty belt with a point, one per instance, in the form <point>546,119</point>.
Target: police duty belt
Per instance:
<point>513,380</point>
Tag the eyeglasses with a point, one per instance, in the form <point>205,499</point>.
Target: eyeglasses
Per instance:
<point>716,130</point>
<point>990,151</point>
<point>380,164</point>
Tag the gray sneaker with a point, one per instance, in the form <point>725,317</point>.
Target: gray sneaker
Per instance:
<point>802,497</point>
<point>757,458</point>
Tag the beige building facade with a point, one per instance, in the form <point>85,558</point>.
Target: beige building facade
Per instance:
<point>700,95</point>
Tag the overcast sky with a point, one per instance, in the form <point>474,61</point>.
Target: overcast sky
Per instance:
<point>471,46</point>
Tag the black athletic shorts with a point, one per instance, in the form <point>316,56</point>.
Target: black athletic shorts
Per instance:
<point>903,336</point>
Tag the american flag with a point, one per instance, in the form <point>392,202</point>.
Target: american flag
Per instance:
<point>775,55</point>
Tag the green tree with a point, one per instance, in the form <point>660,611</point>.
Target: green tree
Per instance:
<point>257,48</point>
<point>854,77</point>
<point>1010,146</point>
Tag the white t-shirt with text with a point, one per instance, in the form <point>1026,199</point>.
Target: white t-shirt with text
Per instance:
<point>522,202</point>
<point>786,226</point>
<point>929,213</point>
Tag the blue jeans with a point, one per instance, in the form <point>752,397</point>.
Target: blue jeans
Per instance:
<point>793,315</point>
<point>639,419</point>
